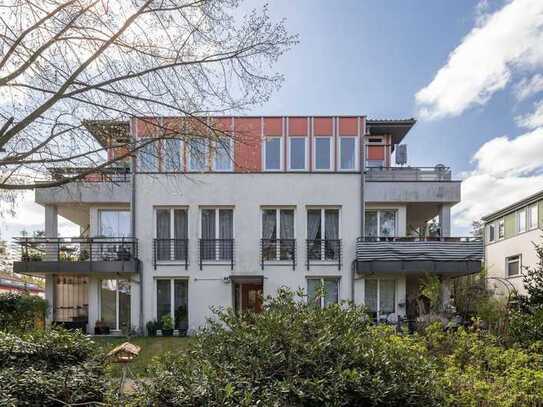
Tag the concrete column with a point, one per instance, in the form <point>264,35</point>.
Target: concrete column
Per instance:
<point>51,230</point>
<point>445,220</point>
<point>51,221</point>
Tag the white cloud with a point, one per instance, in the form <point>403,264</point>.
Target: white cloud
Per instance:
<point>529,87</point>
<point>532,120</point>
<point>506,171</point>
<point>511,39</point>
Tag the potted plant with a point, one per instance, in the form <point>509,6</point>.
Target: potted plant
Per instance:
<point>167,325</point>
<point>100,328</point>
<point>152,327</point>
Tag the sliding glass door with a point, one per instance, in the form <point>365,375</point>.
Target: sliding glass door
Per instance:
<point>115,304</point>
<point>172,299</point>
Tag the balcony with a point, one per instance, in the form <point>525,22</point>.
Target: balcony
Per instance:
<point>216,252</point>
<point>46,255</point>
<point>453,256</point>
<point>170,252</point>
<point>278,252</point>
<point>323,252</point>
<point>437,173</point>
<point>110,174</point>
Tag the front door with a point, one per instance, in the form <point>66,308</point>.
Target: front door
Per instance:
<point>251,297</point>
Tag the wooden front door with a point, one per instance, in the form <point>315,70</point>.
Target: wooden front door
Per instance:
<point>251,297</point>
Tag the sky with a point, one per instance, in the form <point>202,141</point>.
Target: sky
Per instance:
<point>470,72</point>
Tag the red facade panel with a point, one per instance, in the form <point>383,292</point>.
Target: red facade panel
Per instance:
<point>273,126</point>
<point>376,152</point>
<point>348,126</point>
<point>297,126</point>
<point>247,151</point>
<point>323,126</point>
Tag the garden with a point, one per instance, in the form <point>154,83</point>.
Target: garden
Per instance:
<point>292,354</point>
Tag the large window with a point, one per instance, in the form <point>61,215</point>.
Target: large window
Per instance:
<point>148,157</point>
<point>198,154</point>
<point>223,159</point>
<point>297,153</point>
<point>278,234</point>
<point>323,153</point>
<point>380,298</point>
<point>347,153</point>
<point>171,233</point>
<point>323,291</point>
<point>171,155</point>
<point>115,304</point>
<point>375,152</point>
<point>113,223</point>
<point>532,217</point>
<point>172,299</point>
<point>323,234</point>
<point>501,229</point>
<point>521,221</point>
<point>217,233</point>
<point>491,232</point>
<point>380,223</point>
<point>513,265</point>
<point>272,153</point>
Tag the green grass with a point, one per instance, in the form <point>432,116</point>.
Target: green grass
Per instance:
<point>150,347</point>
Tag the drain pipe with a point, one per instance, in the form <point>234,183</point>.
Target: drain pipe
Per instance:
<point>362,131</point>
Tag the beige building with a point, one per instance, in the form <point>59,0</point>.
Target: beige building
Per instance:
<point>510,235</point>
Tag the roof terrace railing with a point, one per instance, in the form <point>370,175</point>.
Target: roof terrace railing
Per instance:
<point>437,173</point>
<point>109,174</point>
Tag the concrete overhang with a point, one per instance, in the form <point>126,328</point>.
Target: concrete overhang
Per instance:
<point>85,193</point>
<point>413,191</point>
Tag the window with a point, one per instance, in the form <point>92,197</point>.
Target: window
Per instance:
<point>501,229</point>
<point>513,265</point>
<point>347,153</point>
<point>223,155</point>
<point>380,298</point>
<point>521,221</point>
<point>272,153</point>
<point>323,234</point>
<point>380,223</point>
<point>217,234</point>
<point>172,299</point>
<point>115,304</point>
<point>113,223</point>
<point>491,232</point>
<point>278,234</point>
<point>148,157</point>
<point>323,291</point>
<point>171,157</point>
<point>375,149</point>
<point>323,153</point>
<point>532,217</point>
<point>198,154</point>
<point>297,156</point>
<point>171,234</point>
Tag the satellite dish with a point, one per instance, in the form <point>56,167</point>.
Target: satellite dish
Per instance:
<point>401,154</point>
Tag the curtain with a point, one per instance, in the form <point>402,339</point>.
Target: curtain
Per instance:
<point>163,298</point>
<point>331,231</point>
<point>208,234</point>
<point>180,230</point>
<point>314,233</point>
<point>163,232</point>
<point>226,232</point>
<point>388,223</point>
<point>180,298</point>
<point>269,234</point>
<point>370,296</point>
<point>286,232</point>
<point>330,292</point>
<point>387,297</point>
<point>172,155</point>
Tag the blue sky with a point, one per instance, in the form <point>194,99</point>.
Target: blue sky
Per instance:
<point>476,66</point>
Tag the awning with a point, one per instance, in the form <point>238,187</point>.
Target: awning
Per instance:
<point>247,278</point>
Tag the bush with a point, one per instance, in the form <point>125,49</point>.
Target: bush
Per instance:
<point>21,312</point>
<point>526,328</point>
<point>49,368</point>
<point>295,354</point>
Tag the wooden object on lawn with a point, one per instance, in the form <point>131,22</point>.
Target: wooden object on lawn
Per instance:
<point>124,353</point>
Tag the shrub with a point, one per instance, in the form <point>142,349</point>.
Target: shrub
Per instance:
<point>49,368</point>
<point>525,328</point>
<point>21,312</point>
<point>295,354</point>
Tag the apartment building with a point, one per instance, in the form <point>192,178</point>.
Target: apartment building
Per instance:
<point>302,202</point>
<point>510,235</point>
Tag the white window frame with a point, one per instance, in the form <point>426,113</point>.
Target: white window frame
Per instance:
<point>217,229</point>
<point>117,308</point>
<point>378,311</point>
<point>368,144</point>
<point>206,157</point>
<point>156,146</point>
<point>379,210</point>
<point>491,236</point>
<point>323,226</point>
<point>501,229</point>
<point>231,156</point>
<point>509,260</point>
<point>172,209</point>
<point>521,215</point>
<point>331,152</point>
<point>162,160</point>
<point>322,279</point>
<point>306,155</point>
<point>172,296</point>
<point>281,158</point>
<point>532,223</point>
<point>356,153</point>
<point>277,210</point>
<point>99,221</point>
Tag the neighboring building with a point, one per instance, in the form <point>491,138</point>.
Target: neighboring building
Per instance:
<point>11,283</point>
<point>510,235</point>
<point>199,225</point>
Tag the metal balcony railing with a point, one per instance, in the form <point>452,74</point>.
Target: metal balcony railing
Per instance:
<point>277,251</point>
<point>216,251</point>
<point>324,251</point>
<point>170,252</point>
<point>418,239</point>
<point>109,174</point>
<point>437,173</point>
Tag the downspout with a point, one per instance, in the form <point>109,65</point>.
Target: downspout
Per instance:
<point>362,196</point>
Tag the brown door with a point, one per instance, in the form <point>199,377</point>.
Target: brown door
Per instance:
<point>251,297</point>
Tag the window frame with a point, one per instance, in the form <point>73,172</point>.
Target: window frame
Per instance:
<point>378,311</point>
<point>323,210</point>
<point>205,158</point>
<point>330,154</point>
<point>99,220</point>
<point>378,211</point>
<point>217,220</point>
<point>322,279</point>
<point>264,154</point>
<point>172,210</point>
<point>172,281</point>
<point>501,229</point>
<point>509,260</point>
<point>117,300</point>
<point>491,232</point>
<point>522,215</point>
<point>356,164</point>
<point>289,153</point>
<point>380,143</point>
<point>162,155</point>
<point>156,146</point>
<point>532,223</point>
<point>230,159</point>
<point>277,210</point>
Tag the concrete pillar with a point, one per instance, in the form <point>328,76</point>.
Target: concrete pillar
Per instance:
<point>445,220</point>
<point>51,230</point>
<point>51,221</point>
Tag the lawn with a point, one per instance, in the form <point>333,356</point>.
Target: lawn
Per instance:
<point>150,347</point>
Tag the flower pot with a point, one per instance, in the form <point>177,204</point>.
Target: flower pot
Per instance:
<point>159,332</point>
<point>167,332</point>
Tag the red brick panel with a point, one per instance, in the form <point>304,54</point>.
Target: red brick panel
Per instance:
<point>376,152</point>
<point>247,151</point>
<point>273,126</point>
<point>323,126</point>
<point>297,126</point>
<point>348,126</point>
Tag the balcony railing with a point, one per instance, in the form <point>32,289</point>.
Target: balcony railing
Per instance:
<point>110,174</point>
<point>324,251</point>
<point>419,239</point>
<point>77,254</point>
<point>278,251</point>
<point>170,252</point>
<point>437,173</point>
<point>216,251</point>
